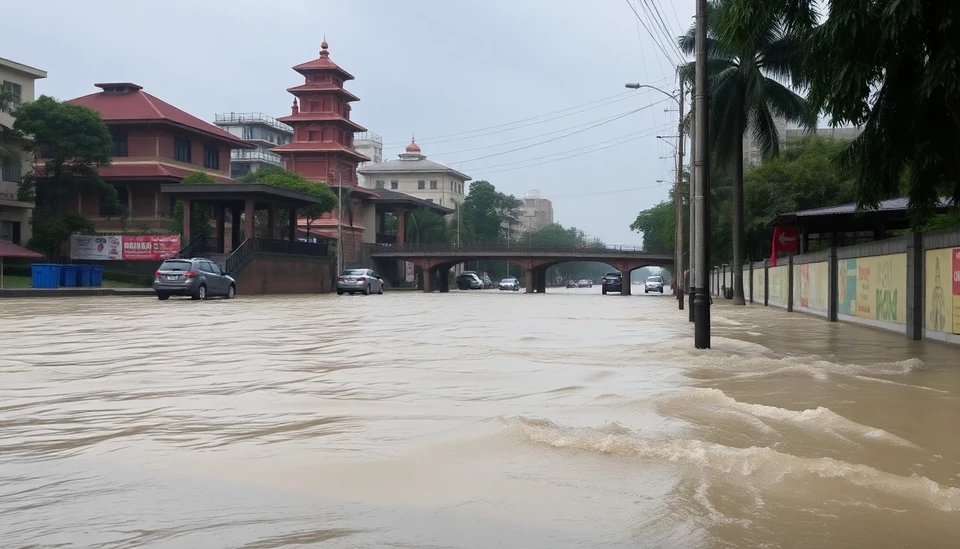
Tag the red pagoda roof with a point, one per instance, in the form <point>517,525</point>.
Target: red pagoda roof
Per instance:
<point>318,146</point>
<point>124,102</point>
<point>322,64</point>
<point>320,117</point>
<point>328,87</point>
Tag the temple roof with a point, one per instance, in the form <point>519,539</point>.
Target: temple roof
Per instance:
<point>322,64</point>
<point>125,102</point>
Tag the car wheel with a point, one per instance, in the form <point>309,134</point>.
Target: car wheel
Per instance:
<point>367,290</point>
<point>661,290</point>
<point>163,297</point>
<point>381,290</point>
<point>351,293</point>
<point>604,291</point>
<point>201,293</point>
<point>646,291</point>
<point>339,292</point>
<point>231,292</point>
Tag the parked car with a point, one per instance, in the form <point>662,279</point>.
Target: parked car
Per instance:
<point>571,284</point>
<point>197,277</point>
<point>612,282</point>
<point>363,281</point>
<point>510,284</point>
<point>469,280</point>
<point>653,284</point>
<point>584,283</point>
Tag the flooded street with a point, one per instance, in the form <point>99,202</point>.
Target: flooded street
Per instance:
<point>468,420</point>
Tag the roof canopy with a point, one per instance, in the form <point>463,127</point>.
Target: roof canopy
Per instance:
<point>890,215</point>
<point>238,192</point>
<point>127,103</point>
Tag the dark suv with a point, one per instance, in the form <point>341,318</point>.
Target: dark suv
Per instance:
<point>198,278</point>
<point>612,282</point>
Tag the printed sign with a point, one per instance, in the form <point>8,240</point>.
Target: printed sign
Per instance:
<point>150,247</point>
<point>94,247</point>
<point>409,271</point>
<point>125,247</point>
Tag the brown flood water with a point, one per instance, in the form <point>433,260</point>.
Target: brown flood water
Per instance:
<point>467,420</point>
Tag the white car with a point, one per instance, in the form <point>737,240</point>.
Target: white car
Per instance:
<point>510,284</point>
<point>653,284</point>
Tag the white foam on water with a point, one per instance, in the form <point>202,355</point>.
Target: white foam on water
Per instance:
<point>762,464</point>
<point>819,418</point>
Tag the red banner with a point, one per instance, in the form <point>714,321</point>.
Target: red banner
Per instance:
<point>785,240</point>
<point>150,247</point>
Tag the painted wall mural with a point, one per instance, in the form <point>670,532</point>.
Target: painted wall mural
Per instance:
<point>810,286</point>
<point>882,288</point>
<point>847,286</point>
<point>942,287</point>
<point>778,284</point>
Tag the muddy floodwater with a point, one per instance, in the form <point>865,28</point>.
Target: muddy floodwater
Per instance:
<point>467,420</point>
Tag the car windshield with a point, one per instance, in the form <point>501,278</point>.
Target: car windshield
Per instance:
<point>354,272</point>
<point>613,275</point>
<point>654,279</point>
<point>509,280</point>
<point>175,266</point>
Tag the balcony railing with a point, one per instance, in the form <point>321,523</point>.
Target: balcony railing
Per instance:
<point>367,136</point>
<point>251,118</point>
<point>256,156</point>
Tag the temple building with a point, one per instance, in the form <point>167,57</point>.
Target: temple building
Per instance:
<point>416,176</point>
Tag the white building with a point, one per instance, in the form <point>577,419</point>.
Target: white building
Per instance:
<point>414,175</point>
<point>18,80</point>
<point>263,131</point>
<point>537,212</point>
<point>370,145</point>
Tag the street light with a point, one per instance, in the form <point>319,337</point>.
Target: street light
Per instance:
<point>678,214</point>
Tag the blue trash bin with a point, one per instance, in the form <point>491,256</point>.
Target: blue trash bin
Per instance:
<point>68,276</point>
<point>96,275</point>
<point>83,275</point>
<point>45,275</point>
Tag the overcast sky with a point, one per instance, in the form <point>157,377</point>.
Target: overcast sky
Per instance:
<point>426,67</point>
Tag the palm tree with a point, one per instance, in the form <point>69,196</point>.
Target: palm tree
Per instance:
<point>745,64</point>
<point>425,227</point>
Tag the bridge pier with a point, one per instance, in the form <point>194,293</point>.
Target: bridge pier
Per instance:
<point>428,274</point>
<point>529,281</point>
<point>541,280</point>
<point>444,282</point>
<point>625,286</point>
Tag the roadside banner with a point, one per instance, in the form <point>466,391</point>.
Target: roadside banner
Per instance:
<point>124,247</point>
<point>409,271</point>
<point>97,247</point>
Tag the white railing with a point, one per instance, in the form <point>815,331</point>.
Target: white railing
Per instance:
<point>251,118</point>
<point>256,155</point>
<point>367,136</point>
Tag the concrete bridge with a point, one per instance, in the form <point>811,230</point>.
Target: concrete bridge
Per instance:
<point>436,260</point>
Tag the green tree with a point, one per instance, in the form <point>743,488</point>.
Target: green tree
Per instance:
<point>890,67</point>
<point>199,220</point>
<point>485,211</point>
<point>293,181</point>
<point>8,153</point>
<point>745,63</point>
<point>74,142</point>
<point>657,225</point>
<point>424,226</point>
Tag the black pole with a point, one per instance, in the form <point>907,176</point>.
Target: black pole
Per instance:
<point>701,300</point>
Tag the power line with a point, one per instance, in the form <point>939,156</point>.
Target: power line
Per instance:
<point>628,113</point>
<point>602,193</point>
<point>424,140</point>
<point>654,38</point>
<point>653,8</point>
<point>579,155</point>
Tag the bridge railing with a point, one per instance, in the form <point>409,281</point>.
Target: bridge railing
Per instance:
<point>498,248</point>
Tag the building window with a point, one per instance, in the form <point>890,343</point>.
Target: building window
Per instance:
<point>119,143</point>
<point>433,184</point>
<point>182,149</point>
<point>123,199</point>
<point>10,231</point>
<point>421,184</point>
<point>12,170</point>
<point>211,156</point>
<point>379,183</point>
<point>16,90</point>
<point>247,132</point>
<point>239,170</point>
<point>394,184</point>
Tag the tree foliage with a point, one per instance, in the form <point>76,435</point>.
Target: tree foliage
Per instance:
<point>74,142</point>
<point>293,181</point>
<point>891,67</point>
<point>199,220</point>
<point>424,226</point>
<point>485,211</point>
<point>657,225</point>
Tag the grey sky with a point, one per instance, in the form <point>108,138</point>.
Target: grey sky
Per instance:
<point>430,67</point>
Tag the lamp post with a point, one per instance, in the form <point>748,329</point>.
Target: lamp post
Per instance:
<point>677,202</point>
<point>701,300</point>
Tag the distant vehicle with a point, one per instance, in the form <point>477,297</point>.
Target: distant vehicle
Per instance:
<point>612,282</point>
<point>584,283</point>
<point>571,284</point>
<point>198,278</point>
<point>362,281</point>
<point>510,284</point>
<point>653,284</point>
<point>469,280</point>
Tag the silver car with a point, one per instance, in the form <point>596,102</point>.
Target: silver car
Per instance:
<point>359,281</point>
<point>510,284</point>
<point>197,277</point>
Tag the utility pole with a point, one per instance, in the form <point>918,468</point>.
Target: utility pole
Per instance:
<point>693,213</point>
<point>701,300</point>
<point>678,209</point>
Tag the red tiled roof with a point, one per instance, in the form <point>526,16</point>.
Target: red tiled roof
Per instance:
<point>136,105</point>
<point>151,170</point>
<point>9,249</point>
<point>292,119</point>
<point>311,146</point>
<point>323,87</point>
<point>322,64</point>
